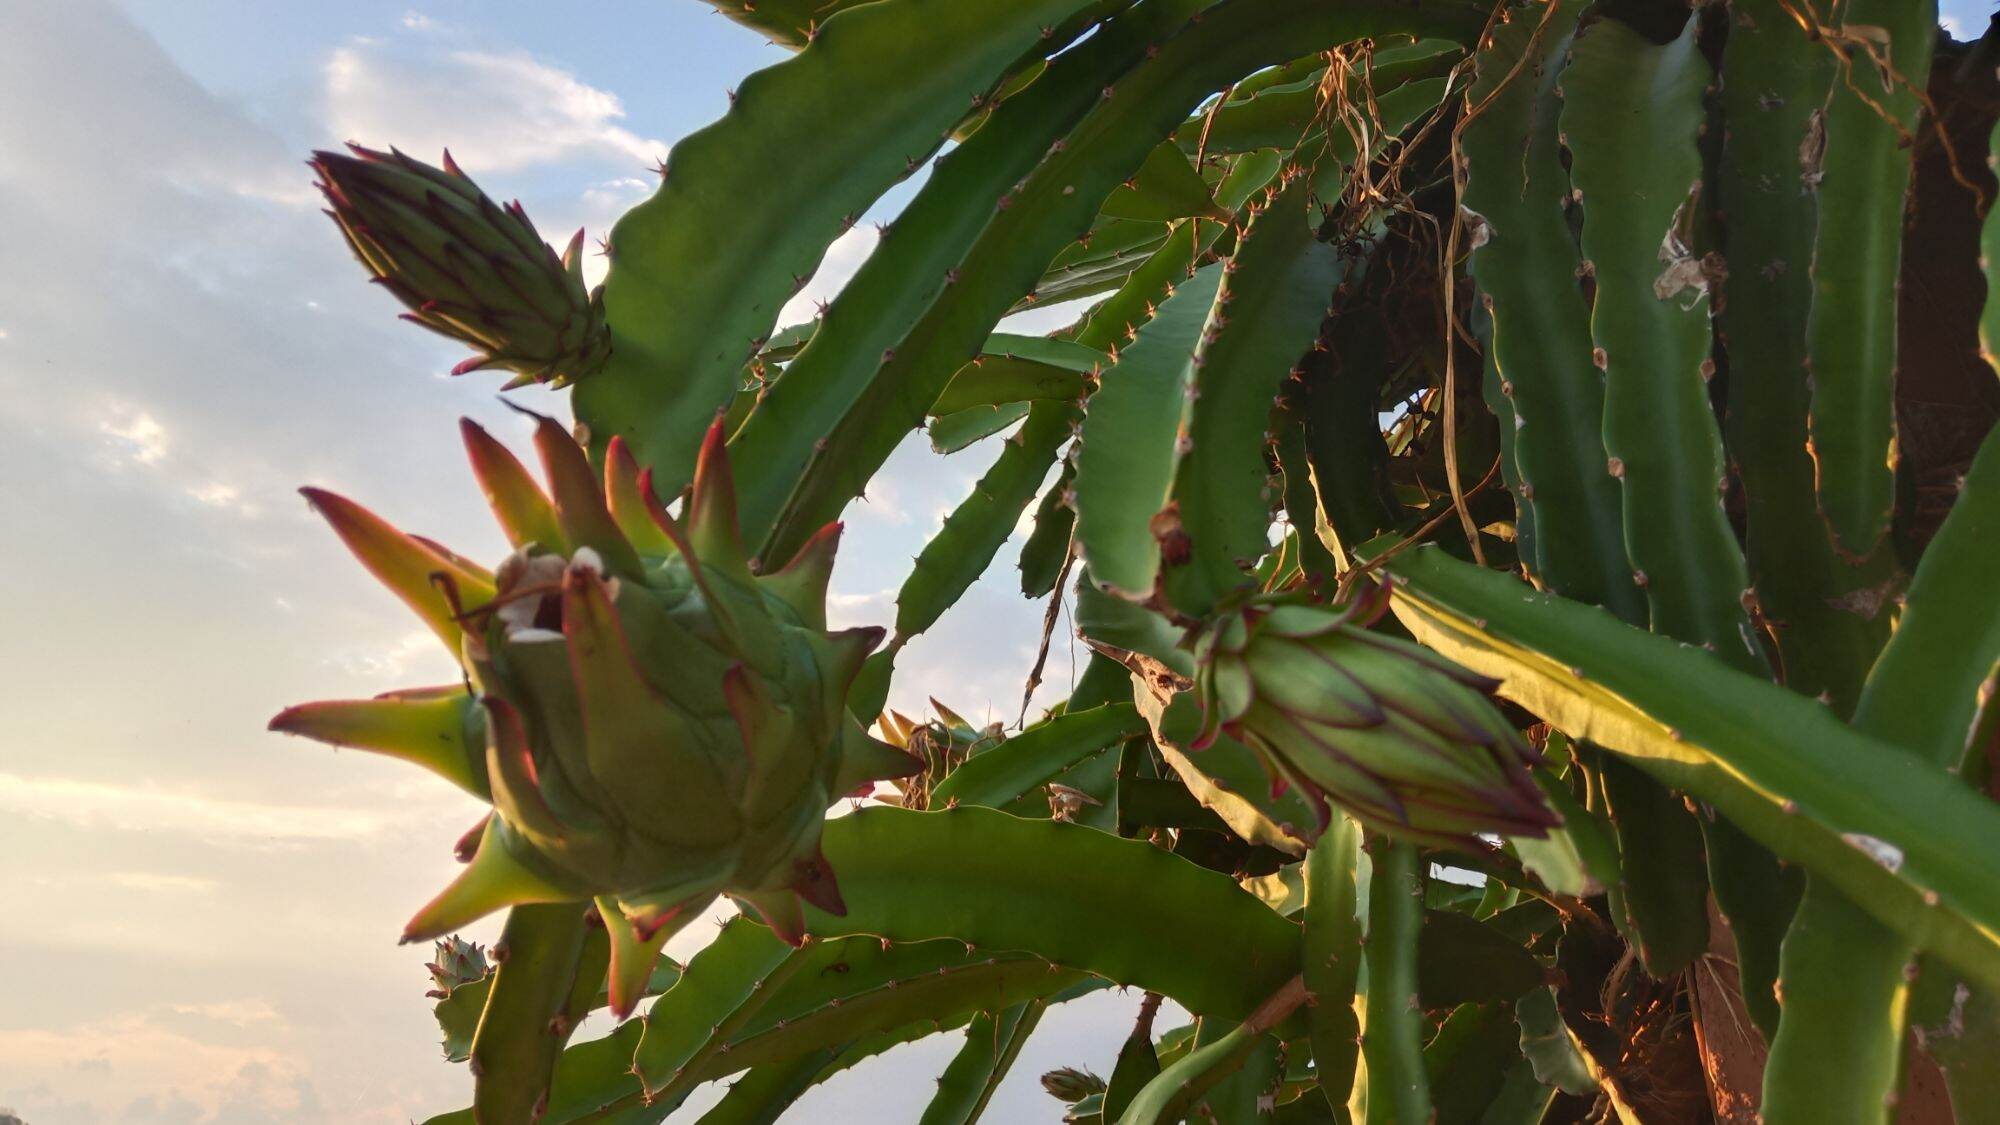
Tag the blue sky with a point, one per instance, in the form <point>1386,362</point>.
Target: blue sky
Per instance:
<point>201,917</point>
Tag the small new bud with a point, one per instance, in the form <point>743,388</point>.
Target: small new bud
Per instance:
<point>1071,1085</point>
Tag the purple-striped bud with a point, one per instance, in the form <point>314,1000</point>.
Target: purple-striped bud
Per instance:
<point>1404,740</point>
<point>467,267</point>
<point>1068,1084</point>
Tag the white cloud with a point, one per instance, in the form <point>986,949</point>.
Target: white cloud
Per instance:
<point>1040,320</point>
<point>616,195</point>
<point>883,503</point>
<point>496,111</point>
<point>216,494</point>
<point>600,206</point>
<point>94,804</point>
<point>100,63</point>
<point>1024,524</point>
<point>135,1058</point>
<point>843,259</point>
<point>414,654</point>
<point>141,436</point>
<point>846,610</point>
<point>156,882</point>
<point>417,21</point>
<point>238,1013</point>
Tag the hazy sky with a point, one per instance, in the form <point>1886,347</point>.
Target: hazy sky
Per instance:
<point>199,918</point>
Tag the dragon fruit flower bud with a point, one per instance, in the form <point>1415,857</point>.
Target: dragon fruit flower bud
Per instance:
<point>1070,1085</point>
<point>1405,741</point>
<point>456,962</point>
<point>467,267</point>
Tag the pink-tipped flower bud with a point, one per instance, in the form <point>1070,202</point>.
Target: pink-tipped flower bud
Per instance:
<point>467,267</point>
<point>1070,1085</point>
<point>1404,740</point>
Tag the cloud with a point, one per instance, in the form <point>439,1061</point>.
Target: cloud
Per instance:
<point>882,504</point>
<point>842,261</point>
<point>1043,319</point>
<point>99,132</point>
<point>596,210</point>
<point>137,1067</point>
<point>235,1013</point>
<point>1024,524</point>
<point>498,111</point>
<point>846,610</point>
<point>142,439</point>
<point>137,437</point>
<point>413,655</point>
<point>216,494</point>
<point>96,804</point>
<point>616,195</point>
<point>159,882</point>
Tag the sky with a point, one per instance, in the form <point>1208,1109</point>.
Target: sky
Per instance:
<point>200,917</point>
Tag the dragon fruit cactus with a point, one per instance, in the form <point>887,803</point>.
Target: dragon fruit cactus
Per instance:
<point>465,266</point>
<point>1404,740</point>
<point>654,724</point>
